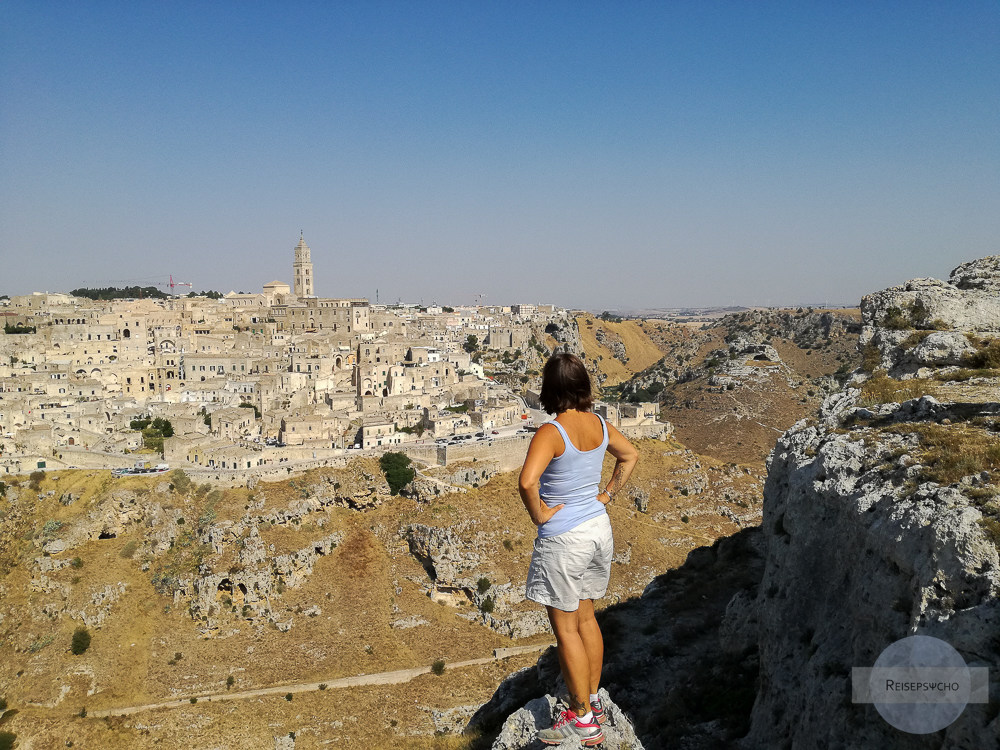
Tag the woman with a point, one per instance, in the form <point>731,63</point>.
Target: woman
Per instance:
<point>571,562</point>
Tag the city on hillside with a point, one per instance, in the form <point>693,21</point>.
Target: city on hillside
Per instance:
<point>239,387</point>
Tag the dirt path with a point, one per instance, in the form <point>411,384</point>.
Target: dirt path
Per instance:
<point>379,678</point>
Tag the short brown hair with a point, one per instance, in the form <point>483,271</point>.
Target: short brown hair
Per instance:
<point>565,384</point>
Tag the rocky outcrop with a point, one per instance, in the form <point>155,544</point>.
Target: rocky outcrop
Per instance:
<point>807,328</point>
<point>613,343</point>
<point>442,553</point>
<point>680,661</point>
<point>564,330</point>
<point>881,520</point>
<point>248,589</point>
<point>927,323</point>
<point>846,514</point>
<point>519,731</point>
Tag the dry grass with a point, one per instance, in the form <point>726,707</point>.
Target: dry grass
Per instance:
<point>871,357</point>
<point>365,584</point>
<point>950,452</point>
<point>964,373</point>
<point>987,354</point>
<point>881,389</point>
<point>642,351</point>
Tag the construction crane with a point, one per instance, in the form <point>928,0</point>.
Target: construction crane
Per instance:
<point>174,284</point>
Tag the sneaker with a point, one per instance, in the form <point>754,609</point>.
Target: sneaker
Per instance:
<point>598,708</point>
<point>569,726</point>
<point>600,715</point>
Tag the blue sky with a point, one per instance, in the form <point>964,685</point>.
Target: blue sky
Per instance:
<point>591,154</point>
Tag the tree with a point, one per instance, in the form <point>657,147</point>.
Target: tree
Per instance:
<point>248,405</point>
<point>81,640</point>
<point>163,426</point>
<point>471,343</point>
<point>397,470</point>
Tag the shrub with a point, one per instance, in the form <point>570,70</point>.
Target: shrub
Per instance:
<point>180,480</point>
<point>81,640</point>
<point>3,705</point>
<point>83,713</point>
<point>871,357</point>
<point>684,519</point>
<point>322,686</point>
<point>193,700</point>
<point>397,470</point>
<point>508,545</point>
<point>288,696</point>
<point>483,585</point>
<point>487,606</point>
<point>76,563</point>
<point>7,740</point>
<point>438,667</point>
<point>895,320</point>
<point>987,354</point>
<point>129,550</point>
<point>991,527</point>
<point>918,313</point>
<point>230,681</point>
<point>914,339</point>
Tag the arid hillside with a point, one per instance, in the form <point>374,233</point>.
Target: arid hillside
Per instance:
<point>189,591</point>
<point>617,350</point>
<point>732,387</point>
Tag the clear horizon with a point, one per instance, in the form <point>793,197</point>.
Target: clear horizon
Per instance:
<point>642,155</point>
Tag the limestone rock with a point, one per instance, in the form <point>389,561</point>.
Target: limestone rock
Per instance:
<point>968,302</point>
<point>982,274</point>
<point>444,554</point>
<point>640,497</point>
<point>519,730</point>
<point>405,623</point>
<point>943,348</point>
<point>612,342</point>
<point>892,556</point>
<point>421,489</point>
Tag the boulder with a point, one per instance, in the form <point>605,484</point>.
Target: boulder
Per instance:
<point>518,732</point>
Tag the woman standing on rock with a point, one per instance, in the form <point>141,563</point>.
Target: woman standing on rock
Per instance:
<point>571,561</point>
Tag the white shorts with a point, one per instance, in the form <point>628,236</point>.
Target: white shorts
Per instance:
<point>572,566</point>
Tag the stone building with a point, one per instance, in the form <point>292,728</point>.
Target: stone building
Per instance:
<point>302,270</point>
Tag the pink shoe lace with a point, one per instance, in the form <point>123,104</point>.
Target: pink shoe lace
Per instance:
<point>565,718</point>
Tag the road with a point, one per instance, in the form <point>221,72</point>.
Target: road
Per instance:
<point>380,678</point>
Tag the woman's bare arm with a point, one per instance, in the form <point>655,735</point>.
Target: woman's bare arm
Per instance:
<point>542,449</point>
<point>626,457</point>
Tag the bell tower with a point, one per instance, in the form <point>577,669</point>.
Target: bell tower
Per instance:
<point>302,270</point>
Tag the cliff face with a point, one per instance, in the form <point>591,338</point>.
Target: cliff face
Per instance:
<point>862,549</point>
<point>881,520</point>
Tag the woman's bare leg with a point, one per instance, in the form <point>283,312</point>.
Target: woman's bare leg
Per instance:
<point>593,642</point>
<point>576,646</point>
